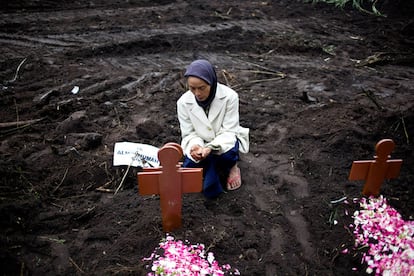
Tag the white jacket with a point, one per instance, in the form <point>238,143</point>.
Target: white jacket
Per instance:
<point>220,129</point>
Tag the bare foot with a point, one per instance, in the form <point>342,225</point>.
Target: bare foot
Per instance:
<point>234,179</point>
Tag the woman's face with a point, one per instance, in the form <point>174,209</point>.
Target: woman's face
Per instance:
<point>199,88</point>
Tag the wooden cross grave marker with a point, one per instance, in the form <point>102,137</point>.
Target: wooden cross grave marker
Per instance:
<point>375,171</point>
<point>170,181</point>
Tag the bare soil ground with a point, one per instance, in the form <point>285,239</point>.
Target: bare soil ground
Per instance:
<point>128,58</point>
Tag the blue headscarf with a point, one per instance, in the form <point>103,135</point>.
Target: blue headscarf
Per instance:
<point>203,69</point>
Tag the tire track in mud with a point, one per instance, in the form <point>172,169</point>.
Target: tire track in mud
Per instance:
<point>108,41</point>
<point>55,18</point>
<point>277,187</point>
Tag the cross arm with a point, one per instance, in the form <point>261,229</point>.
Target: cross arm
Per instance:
<point>359,170</point>
<point>191,180</point>
<point>394,167</point>
<point>148,182</point>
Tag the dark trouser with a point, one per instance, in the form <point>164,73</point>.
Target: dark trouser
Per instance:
<point>216,169</point>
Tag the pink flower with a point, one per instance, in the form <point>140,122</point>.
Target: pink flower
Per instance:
<point>184,259</point>
<point>390,239</point>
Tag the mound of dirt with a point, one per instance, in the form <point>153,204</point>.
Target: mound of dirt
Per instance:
<point>318,87</point>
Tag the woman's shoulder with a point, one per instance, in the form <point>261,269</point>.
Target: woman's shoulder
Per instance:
<point>187,97</point>
<point>225,90</point>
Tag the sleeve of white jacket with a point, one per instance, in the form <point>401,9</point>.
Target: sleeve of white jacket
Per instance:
<point>226,136</point>
<point>188,134</point>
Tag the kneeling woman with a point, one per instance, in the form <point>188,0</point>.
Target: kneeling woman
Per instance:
<point>211,133</point>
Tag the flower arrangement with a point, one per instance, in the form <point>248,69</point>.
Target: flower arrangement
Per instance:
<point>175,257</point>
<point>388,238</point>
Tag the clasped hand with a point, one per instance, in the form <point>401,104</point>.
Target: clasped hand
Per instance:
<point>199,153</point>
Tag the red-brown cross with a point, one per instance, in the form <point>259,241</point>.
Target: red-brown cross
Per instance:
<point>375,171</point>
<point>170,181</point>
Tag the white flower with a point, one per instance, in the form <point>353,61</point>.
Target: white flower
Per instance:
<point>386,273</point>
<point>210,257</point>
<point>389,228</point>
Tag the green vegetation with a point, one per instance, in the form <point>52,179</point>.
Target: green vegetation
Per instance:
<point>358,4</point>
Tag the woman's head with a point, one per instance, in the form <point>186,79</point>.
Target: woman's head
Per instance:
<point>200,88</point>
<point>202,81</point>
